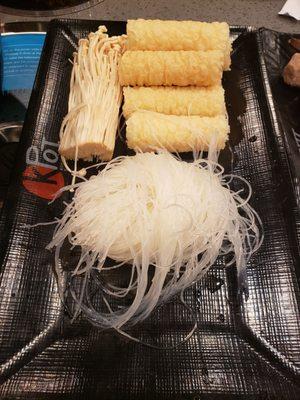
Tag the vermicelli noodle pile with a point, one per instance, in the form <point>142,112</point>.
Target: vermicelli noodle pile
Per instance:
<point>158,213</point>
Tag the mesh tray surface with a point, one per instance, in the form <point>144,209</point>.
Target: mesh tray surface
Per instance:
<point>242,349</point>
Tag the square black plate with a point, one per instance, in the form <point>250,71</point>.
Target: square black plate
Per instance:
<point>242,349</point>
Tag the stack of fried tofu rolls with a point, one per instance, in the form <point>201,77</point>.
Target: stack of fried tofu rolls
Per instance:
<point>171,73</point>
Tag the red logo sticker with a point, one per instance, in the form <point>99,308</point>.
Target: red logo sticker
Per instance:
<point>42,181</point>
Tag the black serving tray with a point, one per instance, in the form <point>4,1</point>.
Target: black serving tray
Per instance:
<point>242,349</point>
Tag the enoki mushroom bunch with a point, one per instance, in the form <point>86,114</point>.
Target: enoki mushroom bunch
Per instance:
<point>89,129</point>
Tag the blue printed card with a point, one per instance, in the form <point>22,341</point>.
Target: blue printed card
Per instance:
<point>20,55</point>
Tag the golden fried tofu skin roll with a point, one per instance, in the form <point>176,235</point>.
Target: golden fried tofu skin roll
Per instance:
<point>179,35</point>
<point>190,100</point>
<point>147,131</point>
<point>167,68</point>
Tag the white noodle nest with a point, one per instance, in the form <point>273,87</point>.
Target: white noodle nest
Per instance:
<point>155,211</point>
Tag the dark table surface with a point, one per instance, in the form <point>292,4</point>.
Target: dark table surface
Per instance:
<point>236,12</point>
